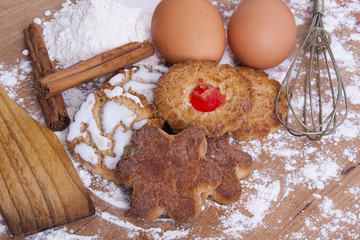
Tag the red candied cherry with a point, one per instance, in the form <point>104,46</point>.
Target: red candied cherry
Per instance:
<point>206,98</point>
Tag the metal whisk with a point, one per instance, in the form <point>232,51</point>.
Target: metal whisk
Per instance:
<point>317,102</point>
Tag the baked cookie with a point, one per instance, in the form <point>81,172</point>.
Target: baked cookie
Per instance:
<point>140,79</point>
<point>262,119</point>
<point>169,173</point>
<point>219,100</point>
<point>234,164</point>
<point>204,95</point>
<point>176,173</point>
<point>102,129</point>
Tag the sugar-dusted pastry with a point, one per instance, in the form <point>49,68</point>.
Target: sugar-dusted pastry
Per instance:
<point>234,163</point>
<point>102,129</point>
<point>176,173</point>
<point>204,95</point>
<point>262,119</point>
<point>140,79</point>
<point>169,173</point>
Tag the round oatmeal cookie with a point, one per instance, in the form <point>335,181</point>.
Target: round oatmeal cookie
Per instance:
<point>102,129</point>
<point>205,95</point>
<point>220,99</point>
<point>262,119</point>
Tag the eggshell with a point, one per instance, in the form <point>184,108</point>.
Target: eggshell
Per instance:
<point>188,29</point>
<point>261,33</point>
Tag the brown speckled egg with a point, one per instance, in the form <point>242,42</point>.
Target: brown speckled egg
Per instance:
<point>261,33</point>
<point>188,29</point>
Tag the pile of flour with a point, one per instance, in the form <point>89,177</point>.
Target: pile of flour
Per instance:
<point>87,28</point>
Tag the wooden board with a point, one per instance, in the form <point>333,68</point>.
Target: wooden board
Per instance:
<point>296,212</point>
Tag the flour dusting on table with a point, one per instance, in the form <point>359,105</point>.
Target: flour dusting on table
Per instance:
<point>11,76</point>
<point>283,163</point>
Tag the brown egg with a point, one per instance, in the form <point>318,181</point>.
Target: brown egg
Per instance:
<point>188,29</point>
<point>261,33</point>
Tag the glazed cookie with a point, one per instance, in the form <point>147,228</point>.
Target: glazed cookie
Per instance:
<point>262,119</point>
<point>140,79</point>
<point>101,131</point>
<point>204,95</point>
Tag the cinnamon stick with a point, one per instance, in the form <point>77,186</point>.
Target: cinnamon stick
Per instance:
<point>94,67</point>
<point>54,109</point>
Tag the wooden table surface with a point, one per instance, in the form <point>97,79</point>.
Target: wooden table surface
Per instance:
<point>299,210</point>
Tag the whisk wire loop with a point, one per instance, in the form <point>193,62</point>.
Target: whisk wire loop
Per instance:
<point>313,122</point>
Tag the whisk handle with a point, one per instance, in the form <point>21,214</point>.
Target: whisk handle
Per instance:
<point>318,6</point>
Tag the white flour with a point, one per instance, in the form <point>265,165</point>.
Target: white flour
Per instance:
<point>91,27</point>
<point>79,31</point>
<point>11,76</point>
<point>3,227</point>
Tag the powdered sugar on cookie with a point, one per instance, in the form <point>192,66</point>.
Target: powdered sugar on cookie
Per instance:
<point>103,127</point>
<point>84,117</point>
<point>143,79</point>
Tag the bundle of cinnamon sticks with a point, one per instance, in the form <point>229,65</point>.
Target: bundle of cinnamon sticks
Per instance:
<point>95,67</point>
<point>50,83</point>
